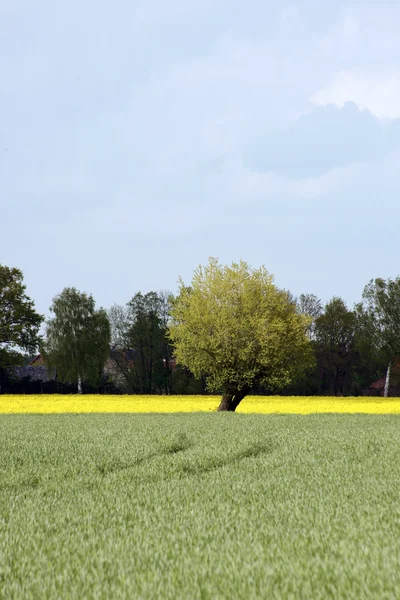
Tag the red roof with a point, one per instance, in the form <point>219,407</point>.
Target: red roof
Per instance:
<point>379,384</point>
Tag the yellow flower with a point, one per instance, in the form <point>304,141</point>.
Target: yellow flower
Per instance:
<point>57,403</point>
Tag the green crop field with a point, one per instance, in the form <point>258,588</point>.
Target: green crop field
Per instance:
<point>199,506</point>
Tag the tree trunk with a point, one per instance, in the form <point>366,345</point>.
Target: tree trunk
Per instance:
<point>336,383</point>
<point>230,402</point>
<point>79,385</point>
<point>387,382</point>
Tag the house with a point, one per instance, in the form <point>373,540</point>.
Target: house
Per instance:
<point>121,362</point>
<point>377,387</point>
<point>115,369</point>
<point>37,361</point>
<point>35,370</point>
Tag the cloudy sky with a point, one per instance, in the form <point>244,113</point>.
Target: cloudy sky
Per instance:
<point>139,138</point>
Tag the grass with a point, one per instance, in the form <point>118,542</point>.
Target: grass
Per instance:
<point>55,403</point>
<point>199,506</point>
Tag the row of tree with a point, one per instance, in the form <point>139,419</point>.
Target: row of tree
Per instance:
<point>230,331</point>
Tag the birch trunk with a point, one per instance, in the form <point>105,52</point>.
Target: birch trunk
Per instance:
<point>387,382</point>
<point>79,385</point>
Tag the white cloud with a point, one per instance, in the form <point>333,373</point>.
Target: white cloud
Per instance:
<point>377,91</point>
<point>139,132</point>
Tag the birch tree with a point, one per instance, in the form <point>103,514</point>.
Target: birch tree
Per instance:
<point>379,320</point>
<point>77,342</point>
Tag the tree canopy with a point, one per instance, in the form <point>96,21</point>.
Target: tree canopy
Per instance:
<point>19,321</point>
<point>141,352</point>
<point>310,305</point>
<point>230,330</point>
<point>379,321</point>
<point>335,344</point>
<point>234,327</point>
<point>77,340</point>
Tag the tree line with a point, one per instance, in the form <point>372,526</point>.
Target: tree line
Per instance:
<point>230,331</point>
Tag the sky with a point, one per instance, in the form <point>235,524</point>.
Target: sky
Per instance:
<point>137,139</point>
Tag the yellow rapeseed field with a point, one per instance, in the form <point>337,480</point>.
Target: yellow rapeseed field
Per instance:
<point>301,405</point>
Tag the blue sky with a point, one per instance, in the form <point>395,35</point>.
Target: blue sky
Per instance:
<point>139,138</point>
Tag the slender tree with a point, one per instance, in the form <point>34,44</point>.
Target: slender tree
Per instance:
<point>147,339</point>
<point>379,320</point>
<point>77,342</point>
<point>165,304</point>
<point>141,351</point>
<point>121,351</point>
<point>335,343</point>
<point>310,305</point>
<point>235,328</point>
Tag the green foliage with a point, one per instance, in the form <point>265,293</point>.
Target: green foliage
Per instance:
<point>19,322</point>
<point>141,350</point>
<point>379,323</point>
<point>184,382</point>
<point>379,317</point>
<point>335,343</point>
<point>235,328</point>
<point>310,305</point>
<point>77,340</point>
<point>147,337</point>
<point>199,506</point>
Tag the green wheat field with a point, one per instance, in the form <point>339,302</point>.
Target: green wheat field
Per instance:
<point>199,506</point>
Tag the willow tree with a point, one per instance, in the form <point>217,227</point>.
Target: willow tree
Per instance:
<point>235,328</point>
<point>77,342</point>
